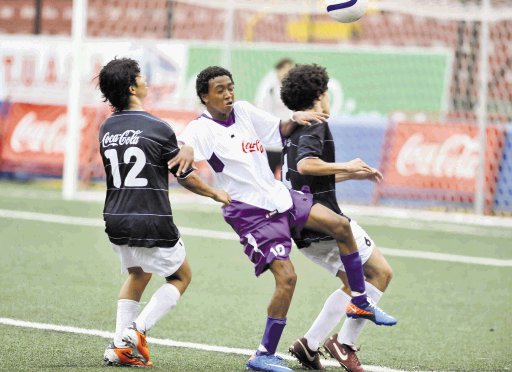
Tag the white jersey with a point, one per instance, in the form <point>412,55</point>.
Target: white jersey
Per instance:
<point>235,150</point>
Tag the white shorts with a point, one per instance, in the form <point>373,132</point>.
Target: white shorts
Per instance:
<point>161,261</point>
<point>327,254</point>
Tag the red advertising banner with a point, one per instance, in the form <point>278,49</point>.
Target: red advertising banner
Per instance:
<point>33,138</point>
<point>439,161</point>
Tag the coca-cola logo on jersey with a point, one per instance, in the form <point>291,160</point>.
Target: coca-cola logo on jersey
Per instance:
<point>455,157</point>
<point>36,135</point>
<point>252,146</point>
<point>128,137</point>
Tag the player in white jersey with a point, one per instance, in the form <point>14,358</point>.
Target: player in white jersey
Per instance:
<point>232,137</point>
<point>135,147</point>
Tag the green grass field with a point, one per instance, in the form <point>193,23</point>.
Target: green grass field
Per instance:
<point>453,316</point>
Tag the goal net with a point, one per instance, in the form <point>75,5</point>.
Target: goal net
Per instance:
<point>421,89</point>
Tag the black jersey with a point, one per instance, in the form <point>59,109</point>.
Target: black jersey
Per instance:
<point>314,141</point>
<point>135,147</point>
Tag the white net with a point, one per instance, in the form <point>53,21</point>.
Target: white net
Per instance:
<point>406,80</point>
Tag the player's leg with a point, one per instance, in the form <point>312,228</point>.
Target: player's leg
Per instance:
<point>378,275</point>
<point>267,243</point>
<point>285,280</point>
<point>170,263</point>
<point>119,352</point>
<point>325,220</point>
<point>165,298</point>
<point>306,349</point>
<point>129,299</point>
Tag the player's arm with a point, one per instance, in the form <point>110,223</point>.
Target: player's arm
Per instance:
<point>354,169</point>
<point>183,160</point>
<point>195,184</point>
<point>301,118</point>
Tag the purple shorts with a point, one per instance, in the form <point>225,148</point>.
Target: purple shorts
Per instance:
<point>266,235</point>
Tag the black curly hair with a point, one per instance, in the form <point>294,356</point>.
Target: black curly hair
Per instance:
<point>206,75</point>
<point>115,79</point>
<point>303,85</point>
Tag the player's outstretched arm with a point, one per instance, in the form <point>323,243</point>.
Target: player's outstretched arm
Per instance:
<point>195,184</point>
<point>301,118</point>
<point>355,169</point>
<point>183,160</point>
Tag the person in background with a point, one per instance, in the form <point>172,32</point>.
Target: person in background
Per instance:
<point>268,98</point>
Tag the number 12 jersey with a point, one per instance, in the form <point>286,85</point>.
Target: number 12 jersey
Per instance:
<point>135,147</point>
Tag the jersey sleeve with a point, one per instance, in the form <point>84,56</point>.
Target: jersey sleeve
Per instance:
<point>198,138</point>
<point>266,125</point>
<point>311,142</point>
<point>170,150</point>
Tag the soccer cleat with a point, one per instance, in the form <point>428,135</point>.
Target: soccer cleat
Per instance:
<point>123,357</point>
<point>371,312</point>
<point>344,354</point>
<point>271,363</point>
<point>308,358</point>
<point>137,341</point>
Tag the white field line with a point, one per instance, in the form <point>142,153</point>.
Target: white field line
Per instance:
<point>164,342</point>
<point>463,223</point>
<point>82,221</point>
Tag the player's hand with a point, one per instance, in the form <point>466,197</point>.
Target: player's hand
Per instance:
<point>222,197</point>
<point>307,117</point>
<point>374,176</point>
<point>357,165</point>
<point>183,159</point>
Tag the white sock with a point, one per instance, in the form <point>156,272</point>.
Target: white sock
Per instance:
<point>163,300</point>
<point>329,317</point>
<point>127,311</point>
<point>352,328</point>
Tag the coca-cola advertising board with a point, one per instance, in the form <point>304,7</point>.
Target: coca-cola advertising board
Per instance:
<point>34,138</point>
<point>439,161</point>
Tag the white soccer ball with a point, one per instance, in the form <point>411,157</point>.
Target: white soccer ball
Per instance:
<point>346,11</point>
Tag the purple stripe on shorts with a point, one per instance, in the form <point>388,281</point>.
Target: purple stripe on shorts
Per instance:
<point>266,235</point>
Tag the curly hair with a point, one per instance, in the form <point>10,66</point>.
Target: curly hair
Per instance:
<point>115,79</point>
<point>206,75</point>
<point>303,85</point>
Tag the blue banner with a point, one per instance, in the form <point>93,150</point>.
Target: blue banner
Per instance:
<point>358,137</point>
<point>503,194</point>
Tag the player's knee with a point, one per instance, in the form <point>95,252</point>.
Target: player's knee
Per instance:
<point>285,275</point>
<point>139,275</point>
<point>290,280</point>
<point>380,276</point>
<point>181,279</point>
<point>387,272</point>
<point>340,229</point>
<point>186,278</point>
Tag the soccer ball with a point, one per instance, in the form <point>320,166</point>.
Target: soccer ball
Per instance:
<point>346,11</point>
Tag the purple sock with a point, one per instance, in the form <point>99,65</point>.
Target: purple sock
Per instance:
<point>355,276</point>
<point>272,335</point>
